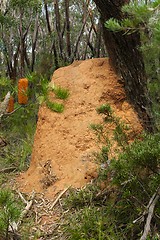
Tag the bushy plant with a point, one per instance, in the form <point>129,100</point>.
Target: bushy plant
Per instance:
<point>9,212</point>
<point>6,85</point>
<point>91,223</point>
<point>136,176</point>
<point>80,198</point>
<point>41,89</point>
<point>18,131</point>
<point>120,129</point>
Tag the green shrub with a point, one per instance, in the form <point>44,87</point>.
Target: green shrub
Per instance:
<point>136,176</point>
<point>80,198</point>
<point>91,223</point>
<point>18,131</point>
<point>9,212</point>
<point>120,129</point>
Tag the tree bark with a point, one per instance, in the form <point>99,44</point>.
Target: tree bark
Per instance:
<point>126,58</point>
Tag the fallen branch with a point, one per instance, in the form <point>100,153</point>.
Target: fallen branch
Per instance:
<point>27,208</point>
<point>14,226</point>
<point>59,196</point>
<point>8,170</point>
<point>150,211</point>
<point>151,207</point>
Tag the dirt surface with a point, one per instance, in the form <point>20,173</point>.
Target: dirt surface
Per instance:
<point>64,143</point>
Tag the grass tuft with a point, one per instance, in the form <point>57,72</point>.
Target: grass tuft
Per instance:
<point>56,107</point>
<point>61,93</point>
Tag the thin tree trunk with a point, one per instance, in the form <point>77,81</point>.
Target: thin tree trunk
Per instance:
<point>125,56</point>
<point>23,53</point>
<point>88,42</point>
<point>53,47</point>
<point>68,40</point>
<point>98,39</point>
<point>47,17</point>
<point>34,41</point>
<point>15,62</point>
<point>58,27</point>
<point>79,37</point>
<point>22,65</point>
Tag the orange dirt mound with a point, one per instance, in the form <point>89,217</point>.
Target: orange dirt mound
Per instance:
<point>64,144</point>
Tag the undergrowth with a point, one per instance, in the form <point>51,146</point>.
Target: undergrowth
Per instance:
<point>16,141</point>
<point>10,209</point>
<point>18,130</point>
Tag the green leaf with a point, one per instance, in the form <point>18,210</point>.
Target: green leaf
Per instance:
<point>113,25</point>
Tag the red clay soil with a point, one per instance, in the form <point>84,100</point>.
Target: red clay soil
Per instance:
<point>64,143</point>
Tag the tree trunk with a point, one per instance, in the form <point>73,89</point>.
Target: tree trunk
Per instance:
<point>98,39</point>
<point>53,47</point>
<point>58,27</point>
<point>22,47</point>
<point>68,41</point>
<point>125,56</point>
<point>34,41</point>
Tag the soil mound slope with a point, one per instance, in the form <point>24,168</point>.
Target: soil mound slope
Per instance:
<point>64,143</point>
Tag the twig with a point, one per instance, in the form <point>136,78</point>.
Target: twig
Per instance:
<point>14,226</point>
<point>7,114</point>
<point>150,210</point>
<point>3,143</point>
<point>59,196</point>
<point>27,208</point>
<point>151,207</point>
<point>22,198</point>
<point>8,170</point>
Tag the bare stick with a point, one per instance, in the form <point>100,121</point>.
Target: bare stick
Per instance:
<point>22,198</point>
<point>8,170</point>
<point>151,206</point>
<point>14,226</point>
<point>59,196</point>
<point>27,208</point>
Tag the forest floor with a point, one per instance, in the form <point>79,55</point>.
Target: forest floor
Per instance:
<point>64,145</point>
